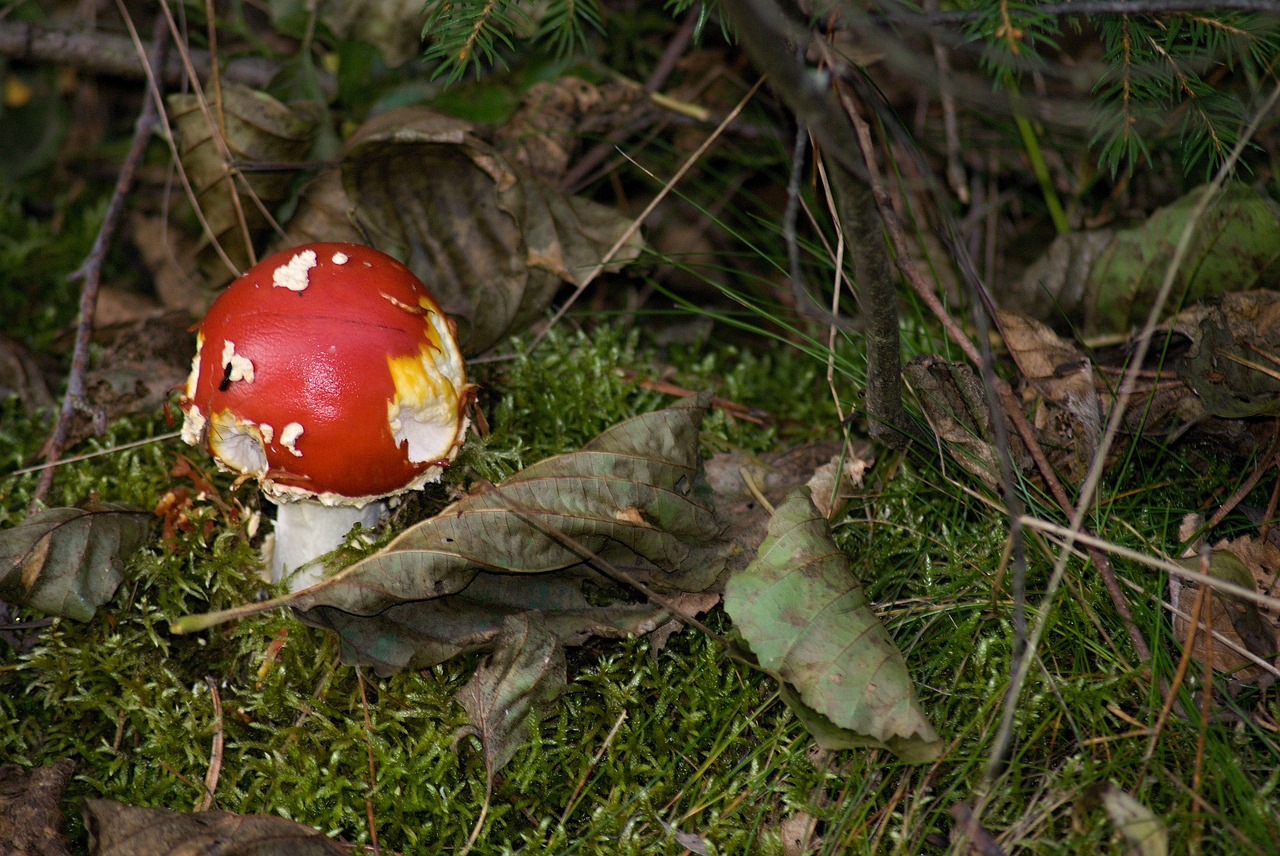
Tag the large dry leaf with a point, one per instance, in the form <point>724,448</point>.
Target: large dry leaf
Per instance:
<point>554,116</point>
<point>491,242</point>
<point>31,818</point>
<point>394,27</point>
<point>805,618</point>
<point>116,829</point>
<point>520,680</point>
<point>257,129</point>
<point>1112,276</point>
<point>634,497</point>
<point>67,561</point>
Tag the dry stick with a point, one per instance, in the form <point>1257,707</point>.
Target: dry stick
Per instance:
<point>172,435</point>
<point>595,762</point>
<point>373,770</point>
<point>215,752</point>
<point>950,127</point>
<point>648,209</point>
<point>98,53</point>
<point>90,273</point>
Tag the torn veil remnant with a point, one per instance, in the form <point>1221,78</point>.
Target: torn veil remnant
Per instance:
<point>328,373</point>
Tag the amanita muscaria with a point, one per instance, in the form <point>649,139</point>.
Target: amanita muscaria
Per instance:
<point>328,373</point>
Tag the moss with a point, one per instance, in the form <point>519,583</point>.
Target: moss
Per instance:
<point>644,743</point>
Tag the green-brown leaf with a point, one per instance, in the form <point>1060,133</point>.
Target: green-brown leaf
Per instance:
<point>804,616</point>
<point>67,561</point>
<point>520,680</point>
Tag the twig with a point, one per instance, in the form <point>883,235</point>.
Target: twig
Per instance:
<point>1083,8</point>
<point>104,53</point>
<point>595,762</point>
<point>172,435</point>
<point>90,272</point>
<point>373,770</point>
<point>215,752</point>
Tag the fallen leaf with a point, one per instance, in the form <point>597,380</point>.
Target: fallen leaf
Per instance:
<point>955,406</point>
<point>394,27</point>
<point>828,490</point>
<point>553,117</point>
<point>518,681</point>
<point>1234,361</point>
<point>1145,833</point>
<point>1111,277</point>
<point>23,374</point>
<point>257,129</point>
<point>1063,392</point>
<point>799,833</point>
<point>691,841</point>
<point>31,819</point>
<point>494,243</point>
<point>67,561</point>
<point>116,829</point>
<point>1251,563</point>
<point>802,614</point>
<point>445,585</point>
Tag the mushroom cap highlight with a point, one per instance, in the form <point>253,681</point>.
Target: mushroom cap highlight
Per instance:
<point>329,372</point>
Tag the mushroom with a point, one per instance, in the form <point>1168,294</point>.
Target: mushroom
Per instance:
<point>328,373</point>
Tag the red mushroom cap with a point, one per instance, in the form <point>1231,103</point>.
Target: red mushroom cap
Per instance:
<point>328,371</point>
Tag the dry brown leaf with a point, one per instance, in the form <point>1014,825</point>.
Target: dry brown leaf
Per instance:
<point>1065,407</point>
<point>1252,563</point>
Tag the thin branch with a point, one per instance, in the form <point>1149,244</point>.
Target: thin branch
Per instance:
<point>776,46</point>
<point>90,272</point>
<point>100,52</point>
<point>1081,8</point>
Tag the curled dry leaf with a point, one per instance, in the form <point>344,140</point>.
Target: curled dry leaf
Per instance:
<point>1062,393</point>
<point>257,129</point>
<point>837,479</point>
<point>492,242</point>
<point>1111,277</point>
<point>1141,828</point>
<point>67,561</point>
<point>116,829</point>
<point>804,617</point>
<point>322,215</point>
<point>544,131</point>
<point>25,374</point>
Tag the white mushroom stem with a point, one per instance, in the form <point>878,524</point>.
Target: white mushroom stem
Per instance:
<point>306,530</point>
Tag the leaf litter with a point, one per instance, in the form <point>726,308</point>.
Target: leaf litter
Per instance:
<point>559,546</point>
